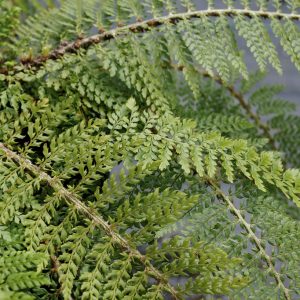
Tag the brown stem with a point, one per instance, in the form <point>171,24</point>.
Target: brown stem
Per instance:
<point>72,199</point>
<point>146,25</point>
<point>246,106</point>
<point>243,102</point>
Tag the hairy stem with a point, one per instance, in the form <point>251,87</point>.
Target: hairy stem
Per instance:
<point>255,117</point>
<point>72,199</point>
<point>146,25</point>
<point>252,236</point>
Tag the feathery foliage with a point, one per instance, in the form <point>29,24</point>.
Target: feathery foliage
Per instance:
<point>139,157</point>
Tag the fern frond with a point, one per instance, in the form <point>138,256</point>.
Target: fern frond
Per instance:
<point>281,120</point>
<point>135,156</point>
<point>20,271</point>
<point>9,15</point>
<point>254,238</point>
<point>180,138</point>
<point>263,49</point>
<point>69,268</point>
<point>258,243</point>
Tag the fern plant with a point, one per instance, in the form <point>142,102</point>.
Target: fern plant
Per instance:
<point>139,157</point>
